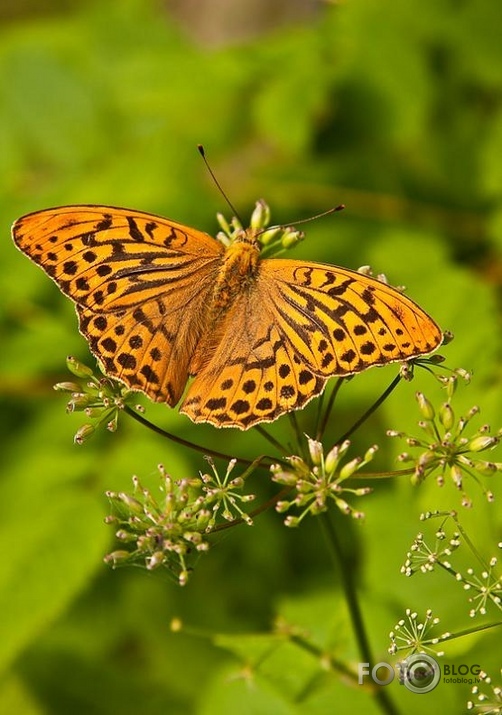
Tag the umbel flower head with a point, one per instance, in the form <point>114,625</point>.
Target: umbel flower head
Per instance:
<point>316,482</point>
<point>171,527</point>
<point>100,398</point>
<point>416,635</point>
<point>484,584</point>
<point>487,697</point>
<point>444,448</point>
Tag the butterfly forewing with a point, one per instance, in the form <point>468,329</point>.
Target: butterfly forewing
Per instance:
<point>140,283</point>
<point>340,321</point>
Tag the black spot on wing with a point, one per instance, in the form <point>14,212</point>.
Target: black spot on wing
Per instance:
<point>134,231</point>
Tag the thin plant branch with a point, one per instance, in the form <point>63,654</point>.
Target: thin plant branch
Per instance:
<point>300,443</point>
<point>185,443</point>
<point>324,419</point>
<point>384,475</point>
<point>275,443</point>
<point>349,589</point>
<point>259,510</point>
<point>385,394</point>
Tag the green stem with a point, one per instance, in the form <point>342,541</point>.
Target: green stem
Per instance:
<point>324,420</point>
<point>349,588</point>
<point>300,442</point>
<point>395,382</point>
<point>318,653</point>
<point>384,475</point>
<point>185,443</point>
<point>264,507</point>
<point>275,443</point>
<point>469,543</point>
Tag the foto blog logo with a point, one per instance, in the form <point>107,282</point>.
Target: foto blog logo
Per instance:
<point>419,673</point>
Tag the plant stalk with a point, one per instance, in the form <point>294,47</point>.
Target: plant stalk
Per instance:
<point>349,588</point>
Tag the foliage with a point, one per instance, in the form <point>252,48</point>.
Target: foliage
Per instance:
<point>396,113</point>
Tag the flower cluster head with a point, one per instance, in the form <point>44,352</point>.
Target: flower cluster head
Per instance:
<point>424,558</point>
<point>484,585</point>
<point>486,588</point>
<point>318,480</point>
<point>171,527</point>
<point>444,448</point>
<point>415,636</point>
<point>487,698</point>
<point>99,398</point>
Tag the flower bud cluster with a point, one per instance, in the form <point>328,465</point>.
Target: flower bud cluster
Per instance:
<point>170,528</point>
<point>99,398</point>
<point>446,450</point>
<point>319,480</point>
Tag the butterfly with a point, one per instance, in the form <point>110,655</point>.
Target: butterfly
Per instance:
<point>160,302</point>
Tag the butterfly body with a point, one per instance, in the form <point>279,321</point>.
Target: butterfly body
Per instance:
<point>159,302</point>
<point>236,275</point>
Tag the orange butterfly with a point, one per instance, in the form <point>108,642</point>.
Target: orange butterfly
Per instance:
<point>159,302</point>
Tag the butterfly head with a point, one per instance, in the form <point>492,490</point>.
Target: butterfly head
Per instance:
<point>259,235</point>
<point>247,237</point>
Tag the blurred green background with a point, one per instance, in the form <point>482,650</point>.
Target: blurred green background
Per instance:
<point>394,109</point>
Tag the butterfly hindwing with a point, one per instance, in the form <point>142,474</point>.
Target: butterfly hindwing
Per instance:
<point>254,375</point>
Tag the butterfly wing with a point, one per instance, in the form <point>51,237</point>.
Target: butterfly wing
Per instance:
<point>254,374</point>
<point>341,322</point>
<point>300,324</point>
<point>140,283</point>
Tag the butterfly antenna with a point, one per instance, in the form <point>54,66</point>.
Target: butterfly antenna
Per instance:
<point>340,207</point>
<point>201,151</point>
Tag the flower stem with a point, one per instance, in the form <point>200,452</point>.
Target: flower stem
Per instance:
<point>348,584</point>
<point>385,394</point>
<point>327,412</point>
<point>185,443</point>
<point>263,432</point>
